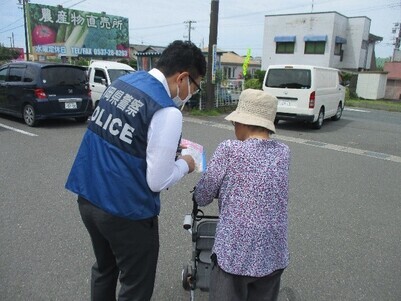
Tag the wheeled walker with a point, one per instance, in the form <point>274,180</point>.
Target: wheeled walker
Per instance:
<point>196,274</point>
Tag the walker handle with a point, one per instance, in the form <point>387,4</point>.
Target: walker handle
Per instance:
<point>195,204</point>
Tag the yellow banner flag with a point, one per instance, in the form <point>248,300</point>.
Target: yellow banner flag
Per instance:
<point>246,62</point>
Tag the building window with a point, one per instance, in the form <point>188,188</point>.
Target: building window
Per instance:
<point>315,44</point>
<point>285,44</point>
<point>315,47</point>
<point>337,49</point>
<point>365,44</point>
<point>228,73</point>
<point>338,46</point>
<point>285,47</point>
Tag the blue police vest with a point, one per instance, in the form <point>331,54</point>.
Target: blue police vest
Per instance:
<point>110,167</point>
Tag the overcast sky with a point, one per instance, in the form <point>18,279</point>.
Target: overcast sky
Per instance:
<point>240,25</point>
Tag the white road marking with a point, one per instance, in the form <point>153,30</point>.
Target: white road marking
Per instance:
<point>18,130</point>
<point>345,149</point>
<point>356,110</point>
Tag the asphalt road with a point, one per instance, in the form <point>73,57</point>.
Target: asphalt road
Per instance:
<point>345,213</point>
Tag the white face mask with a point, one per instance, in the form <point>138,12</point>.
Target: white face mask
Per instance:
<point>180,102</point>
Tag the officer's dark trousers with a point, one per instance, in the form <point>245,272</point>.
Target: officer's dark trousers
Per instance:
<point>124,249</point>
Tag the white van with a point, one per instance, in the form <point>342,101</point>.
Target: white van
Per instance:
<point>306,93</point>
<point>103,73</point>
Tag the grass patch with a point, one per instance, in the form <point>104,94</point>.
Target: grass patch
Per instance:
<point>196,112</point>
<point>387,105</point>
<point>212,112</point>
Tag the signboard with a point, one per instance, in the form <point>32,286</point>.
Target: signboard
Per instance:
<point>214,62</point>
<point>58,31</point>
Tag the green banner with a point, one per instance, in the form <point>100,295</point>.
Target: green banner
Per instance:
<point>246,62</point>
<point>54,30</point>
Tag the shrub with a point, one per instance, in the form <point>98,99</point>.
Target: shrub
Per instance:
<point>253,83</point>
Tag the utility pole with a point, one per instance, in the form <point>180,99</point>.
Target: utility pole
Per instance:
<point>189,28</point>
<point>214,16</point>
<point>25,26</point>
<point>397,26</point>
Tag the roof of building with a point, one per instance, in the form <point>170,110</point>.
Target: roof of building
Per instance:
<point>235,59</point>
<point>147,50</point>
<point>374,38</point>
<point>205,50</point>
<point>316,13</point>
<point>232,58</point>
<point>393,69</point>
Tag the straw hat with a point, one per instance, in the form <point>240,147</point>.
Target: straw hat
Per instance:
<point>255,107</point>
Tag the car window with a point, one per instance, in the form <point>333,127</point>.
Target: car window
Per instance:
<point>288,78</point>
<point>99,75</point>
<point>3,73</point>
<point>29,75</point>
<point>63,76</point>
<point>116,73</point>
<point>15,74</point>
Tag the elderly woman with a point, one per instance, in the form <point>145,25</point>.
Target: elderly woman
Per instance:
<point>249,177</point>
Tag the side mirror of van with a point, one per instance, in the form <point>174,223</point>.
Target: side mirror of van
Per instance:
<point>104,82</point>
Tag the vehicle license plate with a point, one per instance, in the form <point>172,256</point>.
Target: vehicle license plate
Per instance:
<point>70,105</point>
<point>284,103</point>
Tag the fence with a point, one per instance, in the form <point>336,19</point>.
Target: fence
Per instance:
<point>226,94</point>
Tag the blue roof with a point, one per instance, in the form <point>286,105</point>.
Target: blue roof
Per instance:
<point>284,39</point>
<point>315,38</point>
<point>340,40</point>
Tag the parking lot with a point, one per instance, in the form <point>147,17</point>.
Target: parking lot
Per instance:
<point>345,211</point>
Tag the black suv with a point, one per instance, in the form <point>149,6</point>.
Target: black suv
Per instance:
<point>37,90</point>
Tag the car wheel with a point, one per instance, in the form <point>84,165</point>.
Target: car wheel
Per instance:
<point>186,278</point>
<point>339,113</point>
<point>81,119</point>
<point>319,122</point>
<point>29,115</point>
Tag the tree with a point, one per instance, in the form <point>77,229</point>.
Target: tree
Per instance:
<point>257,81</point>
<point>8,54</point>
<point>82,61</point>
<point>253,83</point>
<point>132,62</point>
<point>260,75</point>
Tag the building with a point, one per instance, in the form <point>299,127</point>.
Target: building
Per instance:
<point>228,61</point>
<point>326,39</point>
<point>393,88</point>
<point>231,64</point>
<point>397,55</point>
<point>146,55</point>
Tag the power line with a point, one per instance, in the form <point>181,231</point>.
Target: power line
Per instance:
<point>12,23</point>
<point>12,28</point>
<point>76,3</point>
<point>66,2</point>
<point>155,27</point>
<point>372,8</point>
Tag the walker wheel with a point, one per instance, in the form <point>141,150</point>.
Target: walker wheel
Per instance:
<point>186,278</point>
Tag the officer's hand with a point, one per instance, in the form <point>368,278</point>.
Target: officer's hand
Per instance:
<point>190,161</point>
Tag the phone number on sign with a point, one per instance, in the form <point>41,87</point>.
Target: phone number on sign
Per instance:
<point>110,52</point>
